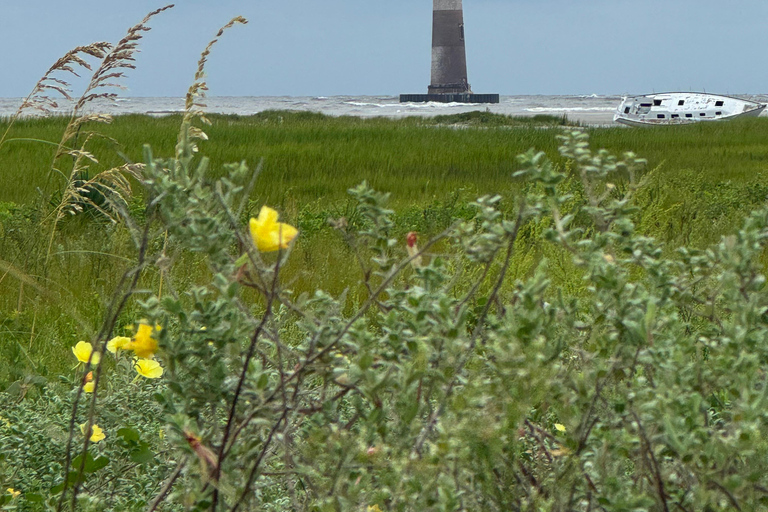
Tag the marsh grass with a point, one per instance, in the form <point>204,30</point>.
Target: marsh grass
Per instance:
<point>701,181</point>
<point>311,157</point>
<point>308,157</point>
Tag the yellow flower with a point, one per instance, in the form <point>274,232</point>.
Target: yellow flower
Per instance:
<point>117,343</point>
<point>83,351</point>
<point>144,345</point>
<point>13,492</point>
<point>270,235</point>
<point>96,433</point>
<point>148,368</point>
<point>89,384</point>
<point>374,508</point>
<point>559,427</point>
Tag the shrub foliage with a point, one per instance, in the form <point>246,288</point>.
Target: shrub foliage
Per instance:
<point>452,385</point>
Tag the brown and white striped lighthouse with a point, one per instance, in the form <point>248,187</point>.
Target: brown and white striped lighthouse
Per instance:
<point>449,55</point>
<point>449,59</point>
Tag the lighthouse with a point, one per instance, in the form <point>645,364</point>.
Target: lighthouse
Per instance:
<point>449,54</point>
<point>449,59</point>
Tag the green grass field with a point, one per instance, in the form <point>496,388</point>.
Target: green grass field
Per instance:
<point>701,181</point>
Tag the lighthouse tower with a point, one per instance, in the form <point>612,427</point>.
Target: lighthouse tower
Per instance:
<point>449,55</point>
<point>449,59</point>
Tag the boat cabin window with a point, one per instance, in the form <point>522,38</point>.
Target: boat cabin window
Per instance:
<point>688,115</point>
<point>656,103</point>
<point>703,114</point>
<point>661,116</point>
<point>645,104</point>
<point>675,116</point>
<point>718,113</point>
<point>719,103</point>
<point>626,110</point>
<point>681,103</point>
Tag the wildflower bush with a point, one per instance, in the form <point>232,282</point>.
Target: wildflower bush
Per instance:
<point>452,386</point>
<point>540,353</point>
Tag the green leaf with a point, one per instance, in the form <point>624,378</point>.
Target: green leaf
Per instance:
<point>142,456</point>
<point>410,410</point>
<point>96,464</point>
<point>366,360</point>
<point>128,434</point>
<point>78,461</point>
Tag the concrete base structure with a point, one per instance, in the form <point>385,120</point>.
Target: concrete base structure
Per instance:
<point>450,98</point>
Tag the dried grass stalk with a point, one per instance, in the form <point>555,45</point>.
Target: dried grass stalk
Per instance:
<point>194,106</point>
<point>110,186</point>
<point>42,99</point>
<point>107,76</point>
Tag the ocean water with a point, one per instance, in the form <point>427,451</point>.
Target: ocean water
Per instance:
<point>590,109</point>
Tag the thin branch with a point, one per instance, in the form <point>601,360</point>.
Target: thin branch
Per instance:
<point>243,374</point>
<point>167,487</point>
<point>427,429</point>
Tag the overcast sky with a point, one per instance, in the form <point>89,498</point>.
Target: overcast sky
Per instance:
<point>382,47</point>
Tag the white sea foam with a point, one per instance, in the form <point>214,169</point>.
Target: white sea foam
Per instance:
<point>364,104</point>
<point>592,109</point>
<point>439,105</point>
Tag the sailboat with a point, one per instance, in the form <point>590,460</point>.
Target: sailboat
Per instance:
<point>671,108</point>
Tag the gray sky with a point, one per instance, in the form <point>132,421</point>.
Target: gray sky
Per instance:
<point>367,47</point>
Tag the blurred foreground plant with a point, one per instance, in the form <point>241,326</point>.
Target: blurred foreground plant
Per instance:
<point>645,392</point>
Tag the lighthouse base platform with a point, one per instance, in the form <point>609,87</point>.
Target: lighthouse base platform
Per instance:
<point>450,98</point>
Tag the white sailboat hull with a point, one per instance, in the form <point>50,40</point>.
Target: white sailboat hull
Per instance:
<point>677,108</point>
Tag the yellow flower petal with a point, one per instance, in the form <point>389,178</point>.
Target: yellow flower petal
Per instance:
<point>97,434</point>
<point>268,215</point>
<point>83,351</point>
<point>148,368</point>
<point>559,427</point>
<point>117,343</point>
<point>88,387</point>
<point>374,508</point>
<point>13,492</point>
<point>268,234</point>
<point>144,343</point>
